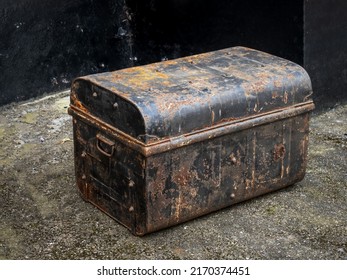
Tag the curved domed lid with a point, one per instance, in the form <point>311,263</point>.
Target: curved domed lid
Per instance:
<point>176,97</point>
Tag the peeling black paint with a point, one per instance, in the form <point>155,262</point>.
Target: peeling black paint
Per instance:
<point>177,177</point>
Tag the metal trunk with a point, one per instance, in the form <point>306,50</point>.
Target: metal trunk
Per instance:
<point>164,143</point>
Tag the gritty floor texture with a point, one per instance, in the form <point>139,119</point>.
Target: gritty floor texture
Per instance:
<point>43,216</point>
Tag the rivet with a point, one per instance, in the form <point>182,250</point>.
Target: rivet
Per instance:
<point>84,177</point>
<point>131,183</point>
<point>115,105</point>
<point>233,159</point>
<point>83,154</point>
<point>232,195</point>
<point>95,94</point>
<point>131,209</point>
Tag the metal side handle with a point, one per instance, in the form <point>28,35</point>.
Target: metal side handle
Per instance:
<point>105,145</point>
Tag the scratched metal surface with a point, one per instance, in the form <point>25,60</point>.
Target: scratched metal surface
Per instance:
<point>165,143</point>
<point>174,97</point>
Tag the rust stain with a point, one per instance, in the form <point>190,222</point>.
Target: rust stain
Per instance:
<point>212,116</point>
<point>279,152</point>
<point>78,103</point>
<point>285,97</point>
<point>140,77</point>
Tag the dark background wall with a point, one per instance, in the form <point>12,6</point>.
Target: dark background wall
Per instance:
<point>174,28</point>
<point>44,44</point>
<point>325,49</point>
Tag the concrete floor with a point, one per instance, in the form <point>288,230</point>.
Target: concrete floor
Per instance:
<point>43,217</point>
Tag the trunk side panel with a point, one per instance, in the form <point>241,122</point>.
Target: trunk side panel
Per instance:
<point>194,180</point>
<point>110,175</point>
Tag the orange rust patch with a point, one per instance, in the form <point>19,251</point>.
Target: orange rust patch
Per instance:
<point>78,103</point>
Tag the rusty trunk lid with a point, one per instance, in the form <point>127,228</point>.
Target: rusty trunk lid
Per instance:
<point>165,100</point>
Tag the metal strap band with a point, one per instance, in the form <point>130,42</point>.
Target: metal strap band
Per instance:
<point>164,145</point>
